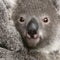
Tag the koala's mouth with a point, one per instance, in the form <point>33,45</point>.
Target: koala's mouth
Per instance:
<point>32,41</point>
<point>35,36</point>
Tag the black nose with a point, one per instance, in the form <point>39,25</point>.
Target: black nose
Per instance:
<point>32,27</point>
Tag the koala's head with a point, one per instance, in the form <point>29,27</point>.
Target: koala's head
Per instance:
<point>36,20</point>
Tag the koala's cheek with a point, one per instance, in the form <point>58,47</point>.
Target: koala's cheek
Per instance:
<point>43,35</point>
<point>23,33</point>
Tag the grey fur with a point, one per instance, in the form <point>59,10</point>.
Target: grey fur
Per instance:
<point>10,36</point>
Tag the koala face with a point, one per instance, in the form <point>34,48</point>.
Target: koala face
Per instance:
<point>36,20</point>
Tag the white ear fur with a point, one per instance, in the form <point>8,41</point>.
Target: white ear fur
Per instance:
<point>9,3</point>
<point>58,6</point>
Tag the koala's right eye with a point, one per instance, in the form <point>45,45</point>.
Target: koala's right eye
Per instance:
<point>21,20</point>
<point>45,20</point>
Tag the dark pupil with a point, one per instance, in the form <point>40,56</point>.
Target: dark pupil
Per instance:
<point>45,20</point>
<point>21,19</point>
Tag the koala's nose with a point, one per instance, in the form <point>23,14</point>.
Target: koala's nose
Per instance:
<point>32,27</point>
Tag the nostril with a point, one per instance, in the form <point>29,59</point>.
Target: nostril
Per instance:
<point>32,32</point>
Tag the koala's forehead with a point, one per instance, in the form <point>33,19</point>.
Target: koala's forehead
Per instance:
<point>34,6</point>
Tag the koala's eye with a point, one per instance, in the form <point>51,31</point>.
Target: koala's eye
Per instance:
<point>21,19</point>
<point>45,20</point>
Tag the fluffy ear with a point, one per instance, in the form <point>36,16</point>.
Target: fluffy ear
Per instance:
<point>57,5</point>
<point>9,3</point>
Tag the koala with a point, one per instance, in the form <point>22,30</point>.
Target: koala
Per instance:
<point>38,23</point>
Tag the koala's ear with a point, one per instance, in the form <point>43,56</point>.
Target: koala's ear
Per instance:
<point>57,5</point>
<point>9,3</point>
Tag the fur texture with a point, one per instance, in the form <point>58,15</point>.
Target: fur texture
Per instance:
<point>9,37</point>
<point>10,32</point>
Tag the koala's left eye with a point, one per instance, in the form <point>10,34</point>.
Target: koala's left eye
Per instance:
<point>45,20</point>
<point>21,19</point>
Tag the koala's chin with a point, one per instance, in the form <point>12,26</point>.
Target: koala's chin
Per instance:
<point>32,41</point>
